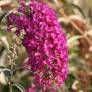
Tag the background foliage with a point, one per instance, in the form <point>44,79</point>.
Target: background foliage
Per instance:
<point>76,19</point>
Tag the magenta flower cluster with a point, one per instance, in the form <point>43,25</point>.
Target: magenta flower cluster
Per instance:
<point>44,41</point>
<point>31,89</point>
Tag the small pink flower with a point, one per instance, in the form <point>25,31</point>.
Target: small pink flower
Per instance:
<point>32,89</point>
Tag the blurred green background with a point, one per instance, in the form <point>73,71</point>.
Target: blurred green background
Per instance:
<point>75,16</point>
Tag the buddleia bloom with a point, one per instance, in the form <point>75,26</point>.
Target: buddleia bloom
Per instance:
<point>44,41</point>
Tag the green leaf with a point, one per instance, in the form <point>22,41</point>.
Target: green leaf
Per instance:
<point>19,14</point>
<point>78,8</point>
<point>63,1</point>
<point>73,39</point>
<point>5,88</point>
<point>23,68</point>
<point>69,81</point>
<point>6,71</point>
<point>2,33</point>
<point>7,74</point>
<point>19,86</point>
<point>27,1</point>
<point>70,8</point>
<point>2,16</point>
<point>3,69</point>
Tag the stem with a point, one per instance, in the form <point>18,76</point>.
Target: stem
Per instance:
<point>10,87</point>
<point>13,56</point>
